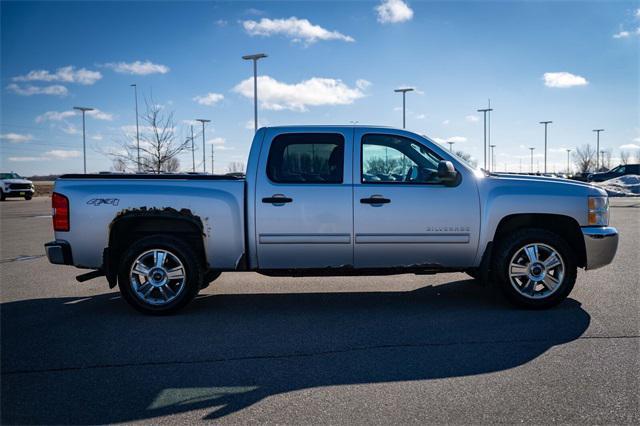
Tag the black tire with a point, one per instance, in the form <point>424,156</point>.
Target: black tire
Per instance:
<point>473,273</point>
<point>27,197</point>
<point>2,197</point>
<point>507,248</point>
<point>193,272</point>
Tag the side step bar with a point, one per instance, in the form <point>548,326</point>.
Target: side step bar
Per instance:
<point>90,275</point>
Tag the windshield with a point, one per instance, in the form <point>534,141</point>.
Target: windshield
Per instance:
<point>10,176</point>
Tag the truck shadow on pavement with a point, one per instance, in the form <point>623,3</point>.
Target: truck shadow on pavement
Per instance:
<point>94,360</point>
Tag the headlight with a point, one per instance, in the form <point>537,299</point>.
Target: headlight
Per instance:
<point>598,214</point>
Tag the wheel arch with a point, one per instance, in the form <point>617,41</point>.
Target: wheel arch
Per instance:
<point>565,226</point>
<point>132,225</point>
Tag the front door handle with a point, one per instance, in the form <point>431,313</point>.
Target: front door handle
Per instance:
<point>376,199</point>
<point>277,199</point>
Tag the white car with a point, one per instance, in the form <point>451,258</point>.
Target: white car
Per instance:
<point>14,185</point>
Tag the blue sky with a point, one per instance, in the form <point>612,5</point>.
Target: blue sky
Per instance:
<point>329,62</point>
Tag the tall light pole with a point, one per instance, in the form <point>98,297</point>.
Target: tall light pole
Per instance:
<point>84,138</point>
<point>193,150</point>
<point>598,147</point>
<point>204,152</point>
<point>404,102</point>
<point>135,91</point>
<point>546,123</point>
<point>212,168</point>
<point>450,146</point>
<point>531,149</point>
<point>255,58</point>
<point>568,152</point>
<point>492,158</point>
<point>484,111</point>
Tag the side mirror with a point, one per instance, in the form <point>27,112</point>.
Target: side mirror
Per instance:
<point>447,173</point>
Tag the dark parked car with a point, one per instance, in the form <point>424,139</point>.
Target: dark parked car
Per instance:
<point>627,169</point>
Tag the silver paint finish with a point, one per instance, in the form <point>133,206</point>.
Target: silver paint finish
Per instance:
<point>315,229</point>
<point>601,244</point>
<point>326,225</point>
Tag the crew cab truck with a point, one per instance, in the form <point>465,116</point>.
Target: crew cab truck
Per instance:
<point>331,200</point>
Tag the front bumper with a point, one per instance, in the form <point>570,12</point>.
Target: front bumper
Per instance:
<point>601,244</point>
<point>59,252</point>
<point>18,192</point>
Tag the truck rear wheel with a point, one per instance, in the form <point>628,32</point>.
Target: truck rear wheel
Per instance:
<point>535,268</point>
<point>159,275</point>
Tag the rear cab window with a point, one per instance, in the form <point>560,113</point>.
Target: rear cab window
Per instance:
<point>306,158</point>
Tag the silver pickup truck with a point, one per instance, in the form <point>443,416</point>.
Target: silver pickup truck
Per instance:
<point>331,200</point>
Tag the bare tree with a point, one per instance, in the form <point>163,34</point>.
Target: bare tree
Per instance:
<point>236,167</point>
<point>159,145</point>
<point>119,165</point>
<point>584,158</point>
<point>466,157</point>
<point>625,157</point>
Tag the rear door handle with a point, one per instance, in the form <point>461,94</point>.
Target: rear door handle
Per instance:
<point>277,199</point>
<point>376,199</point>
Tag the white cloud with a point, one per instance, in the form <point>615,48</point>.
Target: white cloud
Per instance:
<point>630,146</point>
<point>70,129</point>
<point>216,141</point>
<point>457,139</point>
<point>421,116</point>
<point>363,84</point>
<point>622,34</point>
<point>54,90</point>
<point>138,67</point>
<point>97,137</point>
<point>66,74</point>
<point>16,137</point>
<point>393,11</point>
<point>472,118</point>
<point>209,99</point>
<point>54,116</point>
<point>563,79</point>
<point>221,23</point>
<point>446,122</point>
<point>63,154</point>
<point>63,115</point>
<point>637,14</point>
<point>19,159</point>
<point>100,115</point>
<point>294,28</point>
<point>316,91</point>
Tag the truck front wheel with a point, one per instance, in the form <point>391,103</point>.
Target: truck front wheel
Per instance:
<point>535,268</point>
<point>158,275</point>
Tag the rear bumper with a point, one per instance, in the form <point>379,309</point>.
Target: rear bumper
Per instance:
<point>59,252</point>
<point>601,244</point>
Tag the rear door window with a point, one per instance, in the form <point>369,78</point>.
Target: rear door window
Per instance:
<point>306,158</point>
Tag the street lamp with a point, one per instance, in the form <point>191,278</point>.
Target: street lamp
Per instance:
<point>598,147</point>
<point>255,58</point>
<point>568,152</point>
<point>404,102</point>
<point>193,150</point>
<point>450,146</point>
<point>484,111</point>
<point>135,91</point>
<point>204,161</point>
<point>84,139</point>
<point>546,123</point>
<point>531,149</point>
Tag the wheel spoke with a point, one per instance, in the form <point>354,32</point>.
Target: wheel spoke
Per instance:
<point>169,292</point>
<point>159,258</point>
<point>550,282</point>
<point>149,290</point>
<point>552,261</point>
<point>141,269</point>
<point>162,292</point>
<point>175,273</point>
<point>517,270</point>
<point>532,253</point>
<point>529,287</point>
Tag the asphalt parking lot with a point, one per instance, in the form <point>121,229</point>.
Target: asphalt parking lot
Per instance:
<point>252,349</point>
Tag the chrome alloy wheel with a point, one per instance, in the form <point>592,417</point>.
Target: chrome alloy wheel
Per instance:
<point>536,271</point>
<point>157,277</point>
